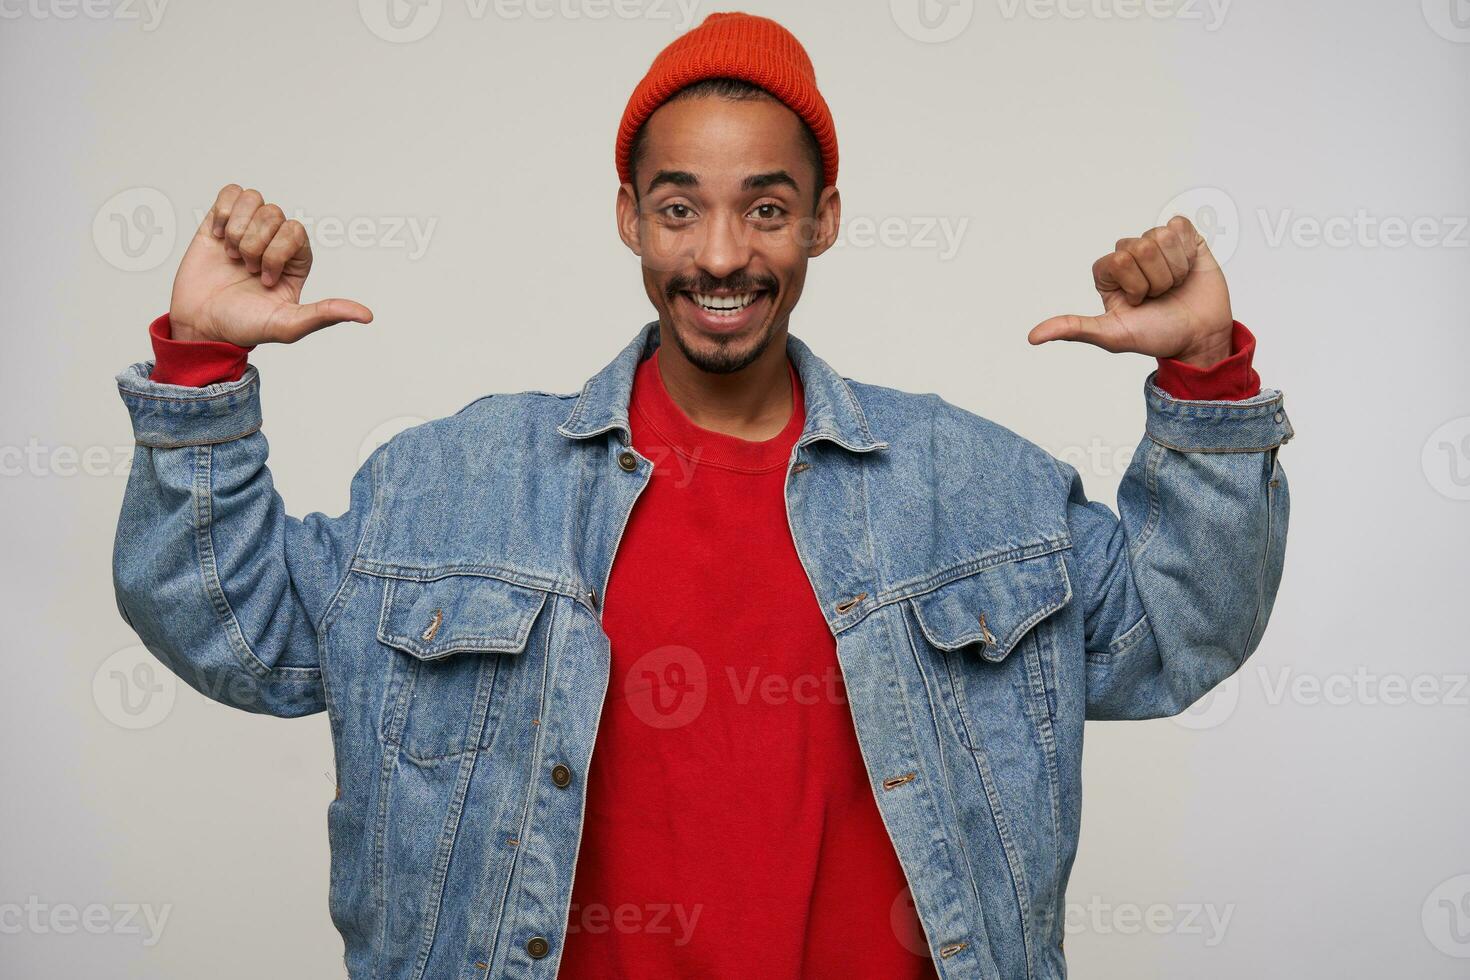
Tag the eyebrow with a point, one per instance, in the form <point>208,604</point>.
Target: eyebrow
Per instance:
<point>776,178</point>
<point>678,178</point>
<point>683,178</point>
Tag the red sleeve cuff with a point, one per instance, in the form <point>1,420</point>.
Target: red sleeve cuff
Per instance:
<point>1230,380</point>
<point>193,362</point>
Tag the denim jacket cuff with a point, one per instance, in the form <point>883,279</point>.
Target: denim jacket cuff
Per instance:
<point>1250,426</point>
<point>168,416</point>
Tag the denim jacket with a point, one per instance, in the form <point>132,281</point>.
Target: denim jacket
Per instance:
<point>449,623</point>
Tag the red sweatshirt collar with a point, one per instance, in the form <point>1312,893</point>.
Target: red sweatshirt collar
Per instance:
<point>652,406</point>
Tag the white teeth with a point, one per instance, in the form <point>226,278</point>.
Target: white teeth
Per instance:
<point>724,304</point>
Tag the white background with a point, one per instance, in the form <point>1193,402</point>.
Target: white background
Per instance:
<point>1308,821</point>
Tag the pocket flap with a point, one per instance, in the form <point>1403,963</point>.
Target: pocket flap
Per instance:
<point>458,614</point>
<point>994,607</point>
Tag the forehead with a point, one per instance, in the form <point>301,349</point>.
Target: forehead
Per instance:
<point>723,141</point>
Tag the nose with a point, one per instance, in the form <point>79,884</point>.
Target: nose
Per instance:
<point>725,247</point>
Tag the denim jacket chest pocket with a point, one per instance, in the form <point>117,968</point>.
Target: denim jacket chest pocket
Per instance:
<point>991,628</point>
<point>452,638</point>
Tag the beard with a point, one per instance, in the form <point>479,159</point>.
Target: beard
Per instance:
<point>730,354</point>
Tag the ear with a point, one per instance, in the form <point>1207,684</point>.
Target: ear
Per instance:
<point>828,220</point>
<point>627,218</point>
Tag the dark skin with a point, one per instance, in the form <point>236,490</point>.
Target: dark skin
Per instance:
<point>725,205</point>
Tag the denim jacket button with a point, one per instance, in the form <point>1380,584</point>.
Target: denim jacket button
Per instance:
<point>537,947</point>
<point>627,461</point>
<point>561,776</point>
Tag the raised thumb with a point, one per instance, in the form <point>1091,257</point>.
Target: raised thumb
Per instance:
<point>1067,327</point>
<point>309,317</point>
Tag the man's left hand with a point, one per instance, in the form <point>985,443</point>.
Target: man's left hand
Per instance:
<point>1163,295</point>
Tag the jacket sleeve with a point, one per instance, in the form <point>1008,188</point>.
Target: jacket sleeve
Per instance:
<point>1178,591</point>
<point>222,586</point>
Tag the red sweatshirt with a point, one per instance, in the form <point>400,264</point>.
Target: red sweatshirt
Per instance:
<point>731,828</point>
<point>727,791</point>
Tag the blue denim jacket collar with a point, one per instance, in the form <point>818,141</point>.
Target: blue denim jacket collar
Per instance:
<point>832,410</point>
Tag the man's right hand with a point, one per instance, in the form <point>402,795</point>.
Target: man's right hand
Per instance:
<point>241,278</point>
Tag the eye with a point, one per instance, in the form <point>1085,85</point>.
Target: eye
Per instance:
<point>678,211</point>
<point>767,211</point>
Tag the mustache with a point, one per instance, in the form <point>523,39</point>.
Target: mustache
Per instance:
<point>706,283</point>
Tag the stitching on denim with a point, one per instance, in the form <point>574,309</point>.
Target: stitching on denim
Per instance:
<point>480,642</point>
<point>936,580</point>
<point>1215,449</point>
<point>450,832</point>
<point>214,589</point>
<point>1019,884</point>
<point>523,828</point>
<point>1152,464</point>
<point>1013,637</point>
<point>1265,561</point>
<point>857,410</point>
<point>243,388</point>
<point>399,689</point>
<point>1038,703</point>
<point>936,818</point>
<point>484,691</point>
<point>860,419</point>
<point>935,709</point>
<point>342,593</point>
<point>380,845</point>
<point>411,573</point>
<point>197,442</point>
<point>1131,637</point>
<point>1201,408</point>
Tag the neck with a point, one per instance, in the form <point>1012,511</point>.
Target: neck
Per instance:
<point>753,403</point>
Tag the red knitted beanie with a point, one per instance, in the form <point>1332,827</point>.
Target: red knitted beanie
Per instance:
<point>733,45</point>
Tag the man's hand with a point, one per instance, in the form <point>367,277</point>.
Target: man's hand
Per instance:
<point>1163,295</point>
<point>241,278</point>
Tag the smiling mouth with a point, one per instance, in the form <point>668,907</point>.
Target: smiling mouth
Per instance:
<point>724,305</point>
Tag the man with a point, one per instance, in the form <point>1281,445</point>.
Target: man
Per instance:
<point>790,670</point>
